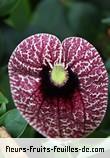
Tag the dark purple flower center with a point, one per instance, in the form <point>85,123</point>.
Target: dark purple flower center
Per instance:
<point>50,90</point>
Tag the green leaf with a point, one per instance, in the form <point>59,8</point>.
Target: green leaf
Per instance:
<point>98,134</point>
<point>13,122</point>
<point>49,17</point>
<point>2,108</point>
<point>10,38</point>
<point>1,46</point>
<point>20,17</point>
<point>103,5</point>
<point>29,132</point>
<point>107,64</point>
<point>84,19</point>
<point>3,99</point>
<point>106,20</point>
<point>6,6</point>
<point>5,87</point>
<point>3,102</point>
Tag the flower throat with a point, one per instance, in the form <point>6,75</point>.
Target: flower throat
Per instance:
<point>58,81</point>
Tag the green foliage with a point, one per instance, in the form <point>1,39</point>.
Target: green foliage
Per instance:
<point>49,17</point>
<point>105,5</point>
<point>20,16</point>
<point>9,40</point>
<point>106,20</point>
<point>89,19</point>
<point>107,64</point>
<point>84,19</point>
<point>6,6</point>
<point>3,99</point>
<point>3,102</point>
<point>5,88</point>
<point>29,132</point>
<point>13,122</point>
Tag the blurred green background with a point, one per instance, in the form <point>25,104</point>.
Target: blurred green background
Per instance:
<point>89,19</point>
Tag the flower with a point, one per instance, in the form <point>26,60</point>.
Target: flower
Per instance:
<point>61,89</point>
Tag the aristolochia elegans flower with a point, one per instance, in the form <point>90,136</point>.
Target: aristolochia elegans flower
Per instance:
<point>60,88</point>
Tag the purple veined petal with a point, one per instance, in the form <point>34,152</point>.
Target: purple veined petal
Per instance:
<point>74,116</point>
<point>84,60</point>
<point>24,67</point>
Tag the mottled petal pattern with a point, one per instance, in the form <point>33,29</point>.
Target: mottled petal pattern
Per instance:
<point>84,59</point>
<point>76,116</point>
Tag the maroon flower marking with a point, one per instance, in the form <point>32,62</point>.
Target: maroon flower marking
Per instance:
<point>72,110</point>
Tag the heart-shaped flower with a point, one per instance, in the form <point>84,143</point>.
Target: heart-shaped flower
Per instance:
<point>60,88</point>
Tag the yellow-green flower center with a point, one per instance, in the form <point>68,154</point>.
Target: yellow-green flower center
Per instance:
<point>58,75</point>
